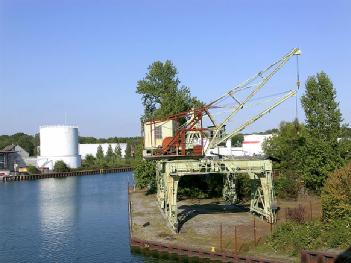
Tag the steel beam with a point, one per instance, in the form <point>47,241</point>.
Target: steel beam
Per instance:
<point>168,174</point>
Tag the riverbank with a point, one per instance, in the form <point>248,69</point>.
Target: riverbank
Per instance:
<point>10,178</point>
<point>210,225</point>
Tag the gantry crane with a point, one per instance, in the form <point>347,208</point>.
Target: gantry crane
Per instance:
<point>180,142</point>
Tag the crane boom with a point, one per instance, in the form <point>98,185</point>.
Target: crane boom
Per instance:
<point>184,135</point>
<point>258,116</point>
<point>271,70</point>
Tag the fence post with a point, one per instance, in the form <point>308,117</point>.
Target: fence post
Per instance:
<point>220,238</point>
<point>311,209</point>
<point>235,241</point>
<point>254,228</point>
<point>271,225</point>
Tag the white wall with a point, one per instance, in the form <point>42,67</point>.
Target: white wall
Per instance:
<point>91,148</point>
<point>252,145</point>
<point>58,142</point>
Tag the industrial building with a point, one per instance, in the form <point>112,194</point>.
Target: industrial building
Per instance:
<point>91,149</point>
<point>251,146</point>
<point>58,142</point>
<point>12,158</point>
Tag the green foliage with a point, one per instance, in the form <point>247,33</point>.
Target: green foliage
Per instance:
<point>243,187</point>
<point>27,142</point>
<point>287,185</point>
<point>89,161</point>
<point>31,169</point>
<point>194,186</point>
<point>118,152</point>
<point>162,96</point>
<point>336,195</point>
<point>110,155</point>
<point>132,140</point>
<point>322,153</point>
<point>323,117</point>
<point>312,151</point>
<point>290,238</point>
<point>60,166</point>
<point>237,140</point>
<point>285,146</point>
<point>191,192</point>
<point>285,149</point>
<point>128,153</point>
<point>100,157</point>
<point>145,175</point>
<point>161,92</point>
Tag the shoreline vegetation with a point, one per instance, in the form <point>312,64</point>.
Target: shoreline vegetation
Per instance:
<point>312,157</point>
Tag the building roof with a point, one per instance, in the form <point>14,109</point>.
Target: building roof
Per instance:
<point>9,148</point>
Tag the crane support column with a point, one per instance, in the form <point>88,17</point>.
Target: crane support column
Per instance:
<point>168,173</point>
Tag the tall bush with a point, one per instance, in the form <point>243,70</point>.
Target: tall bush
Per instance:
<point>61,166</point>
<point>321,154</point>
<point>336,195</point>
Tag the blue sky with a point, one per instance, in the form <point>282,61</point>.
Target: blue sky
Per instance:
<point>85,57</point>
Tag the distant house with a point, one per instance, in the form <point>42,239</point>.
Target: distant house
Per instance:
<point>251,146</point>
<point>91,148</point>
<point>12,157</point>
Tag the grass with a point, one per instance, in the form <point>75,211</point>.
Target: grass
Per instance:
<point>290,238</point>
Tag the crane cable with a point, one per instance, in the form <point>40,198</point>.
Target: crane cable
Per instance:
<point>297,94</point>
<point>297,81</point>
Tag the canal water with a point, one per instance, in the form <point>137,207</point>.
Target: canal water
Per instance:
<point>73,219</point>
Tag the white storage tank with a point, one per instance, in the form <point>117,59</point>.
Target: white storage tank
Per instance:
<point>59,142</point>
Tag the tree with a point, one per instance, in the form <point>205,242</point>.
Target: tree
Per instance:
<point>145,175</point>
<point>60,167</point>
<point>128,152</point>
<point>321,153</point>
<point>162,96</point>
<point>284,147</point>
<point>161,92</point>
<point>31,169</point>
<point>336,195</point>
<point>89,161</point>
<point>100,157</point>
<point>323,117</point>
<point>110,155</point>
<point>237,140</point>
<point>118,152</point>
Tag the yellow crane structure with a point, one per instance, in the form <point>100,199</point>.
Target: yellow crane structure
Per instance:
<point>181,145</point>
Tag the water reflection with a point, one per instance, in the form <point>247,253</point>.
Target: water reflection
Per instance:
<point>75,219</point>
<point>57,212</point>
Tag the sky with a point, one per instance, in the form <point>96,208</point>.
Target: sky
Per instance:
<point>78,61</point>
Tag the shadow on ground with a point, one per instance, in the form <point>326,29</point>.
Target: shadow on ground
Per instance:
<point>190,211</point>
<point>344,257</point>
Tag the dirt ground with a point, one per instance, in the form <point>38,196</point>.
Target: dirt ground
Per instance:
<point>201,227</point>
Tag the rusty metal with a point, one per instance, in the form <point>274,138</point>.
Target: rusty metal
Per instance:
<point>195,253</point>
<point>317,257</point>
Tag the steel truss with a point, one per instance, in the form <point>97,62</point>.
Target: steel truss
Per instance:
<point>169,172</point>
